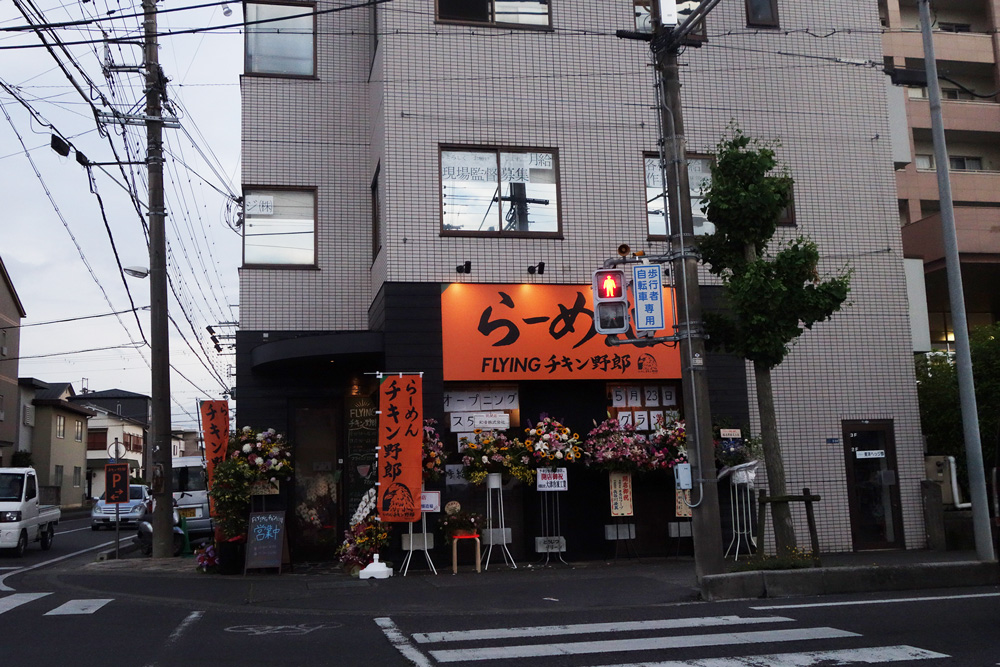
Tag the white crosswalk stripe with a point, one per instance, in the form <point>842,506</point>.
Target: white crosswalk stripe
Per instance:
<point>501,645</point>
<point>78,607</point>
<point>16,600</point>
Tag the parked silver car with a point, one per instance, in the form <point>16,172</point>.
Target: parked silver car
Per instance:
<point>129,514</point>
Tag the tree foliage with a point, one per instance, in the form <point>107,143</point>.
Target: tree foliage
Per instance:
<point>940,410</point>
<point>773,299</point>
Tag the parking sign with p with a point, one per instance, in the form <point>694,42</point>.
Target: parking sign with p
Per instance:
<point>116,483</point>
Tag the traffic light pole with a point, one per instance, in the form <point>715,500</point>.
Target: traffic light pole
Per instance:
<point>706,527</point>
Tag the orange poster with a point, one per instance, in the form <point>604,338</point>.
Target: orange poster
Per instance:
<point>400,439</point>
<point>542,332</point>
<point>215,433</point>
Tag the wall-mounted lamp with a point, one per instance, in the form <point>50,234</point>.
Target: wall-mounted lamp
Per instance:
<point>537,268</point>
<point>465,267</point>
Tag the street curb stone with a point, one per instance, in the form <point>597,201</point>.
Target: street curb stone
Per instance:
<point>857,579</point>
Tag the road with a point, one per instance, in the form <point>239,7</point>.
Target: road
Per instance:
<point>57,614</point>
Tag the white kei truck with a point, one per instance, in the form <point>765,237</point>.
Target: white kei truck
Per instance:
<point>22,518</point>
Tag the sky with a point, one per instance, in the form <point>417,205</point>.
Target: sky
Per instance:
<point>63,233</point>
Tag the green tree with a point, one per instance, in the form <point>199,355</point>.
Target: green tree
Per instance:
<point>771,297</point>
<point>940,410</point>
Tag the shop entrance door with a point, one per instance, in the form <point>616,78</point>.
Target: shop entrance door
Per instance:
<point>316,509</point>
<point>873,485</point>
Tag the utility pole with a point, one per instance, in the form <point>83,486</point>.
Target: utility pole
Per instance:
<point>956,295</point>
<point>706,526</point>
<point>159,330</point>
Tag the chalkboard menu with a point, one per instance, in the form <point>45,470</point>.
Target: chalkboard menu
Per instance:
<point>362,438</point>
<point>265,540</point>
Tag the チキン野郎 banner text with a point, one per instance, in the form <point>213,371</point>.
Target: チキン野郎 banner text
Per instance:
<point>538,332</point>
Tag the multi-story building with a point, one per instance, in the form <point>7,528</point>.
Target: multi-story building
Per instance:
<point>111,437</point>
<point>966,45</point>
<point>11,313</point>
<point>128,405</point>
<point>429,185</point>
<point>59,447</point>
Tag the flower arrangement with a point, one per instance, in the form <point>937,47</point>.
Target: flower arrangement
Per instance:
<point>265,452</point>
<point>550,442</point>
<point>362,541</point>
<point>433,452</point>
<point>616,446</point>
<point>230,494</point>
<point>731,453</point>
<point>666,445</point>
<point>207,557</point>
<point>493,452</point>
<point>455,521</point>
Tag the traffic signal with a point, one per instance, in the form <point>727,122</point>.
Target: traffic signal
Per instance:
<point>610,301</point>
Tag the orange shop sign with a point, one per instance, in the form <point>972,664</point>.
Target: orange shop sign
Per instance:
<point>400,442</point>
<point>541,332</point>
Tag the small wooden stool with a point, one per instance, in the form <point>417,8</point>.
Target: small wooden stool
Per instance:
<point>454,551</point>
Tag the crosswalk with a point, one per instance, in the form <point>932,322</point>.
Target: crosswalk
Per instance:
<point>711,635</point>
<point>68,608</point>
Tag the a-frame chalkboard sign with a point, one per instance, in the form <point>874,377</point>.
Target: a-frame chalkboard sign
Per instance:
<point>267,542</point>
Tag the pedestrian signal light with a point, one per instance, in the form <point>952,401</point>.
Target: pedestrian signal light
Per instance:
<point>610,301</point>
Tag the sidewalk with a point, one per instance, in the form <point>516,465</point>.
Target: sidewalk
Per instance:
<point>646,581</point>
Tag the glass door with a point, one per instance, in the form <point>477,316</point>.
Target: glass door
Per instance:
<point>873,485</point>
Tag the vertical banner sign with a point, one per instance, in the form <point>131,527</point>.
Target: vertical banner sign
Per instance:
<point>400,439</point>
<point>215,433</point>
<point>621,494</point>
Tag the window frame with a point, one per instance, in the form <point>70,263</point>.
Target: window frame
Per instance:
<point>492,12</point>
<point>656,156</point>
<point>251,189</point>
<point>498,149</point>
<point>774,22</point>
<point>58,475</point>
<point>60,426</point>
<point>284,75</point>
<point>78,430</point>
<point>376,202</point>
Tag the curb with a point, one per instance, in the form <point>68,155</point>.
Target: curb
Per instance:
<point>834,580</point>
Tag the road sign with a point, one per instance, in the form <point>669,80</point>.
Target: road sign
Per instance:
<point>647,291</point>
<point>116,483</point>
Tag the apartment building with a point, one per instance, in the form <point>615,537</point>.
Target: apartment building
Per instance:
<point>429,185</point>
<point>967,48</point>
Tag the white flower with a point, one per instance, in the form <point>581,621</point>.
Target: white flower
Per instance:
<point>274,462</point>
<point>559,455</point>
<point>486,459</point>
<point>246,449</point>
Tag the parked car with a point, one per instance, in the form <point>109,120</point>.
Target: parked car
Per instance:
<point>22,518</point>
<point>129,514</point>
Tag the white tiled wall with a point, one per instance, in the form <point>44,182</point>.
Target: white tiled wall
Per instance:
<point>587,94</point>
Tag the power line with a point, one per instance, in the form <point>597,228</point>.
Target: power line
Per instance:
<point>75,319</point>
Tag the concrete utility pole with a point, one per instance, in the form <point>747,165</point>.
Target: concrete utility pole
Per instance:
<point>956,295</point>
<point>706,526</point>
<point>159,327</point>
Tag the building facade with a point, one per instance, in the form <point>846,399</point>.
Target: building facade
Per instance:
<point>429,186</point>
<point>11,313</point>
<point>966,45</point>
<point>59,448</point>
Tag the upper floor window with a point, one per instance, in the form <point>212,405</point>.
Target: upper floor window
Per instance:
<point>78,432</point>
<point>657,209</point>
<point>762,13</point>
<point>945,26</point>
<point>60,426</point>
<point>279,227</point>
<point>955,162</point>
<point>280,39</point>
<point>509,12</point>
<point>499,191</point>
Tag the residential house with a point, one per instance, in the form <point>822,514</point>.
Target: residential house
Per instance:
<point>111,437</point>
<point>59,447</point>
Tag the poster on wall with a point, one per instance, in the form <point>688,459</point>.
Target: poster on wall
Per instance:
<point>400,439</point>
<point>538,332</point>
<point>362,439</point>
<point>215,434</point>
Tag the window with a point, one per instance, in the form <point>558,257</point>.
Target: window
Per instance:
<point>946,94</point>
<point>280,39</point>
<point>3,414</point>
<point>499,191</point>
<point>78,431</point>
<point>762,13</point>
<point>77,475</point>
<point>60,426</point>
<point>960,163</point>
<point>699,174</point>
<point>924,161</point>
<point>945,26</point>
<point>279,227</point>
<point>507,12</point>
<point>57,478</point>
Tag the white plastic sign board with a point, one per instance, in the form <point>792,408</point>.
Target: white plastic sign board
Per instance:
<point>552,479</point>
<point>727,433</point>
<point>430,501</point>
<point>870,454</point>
<point>491,420</point>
